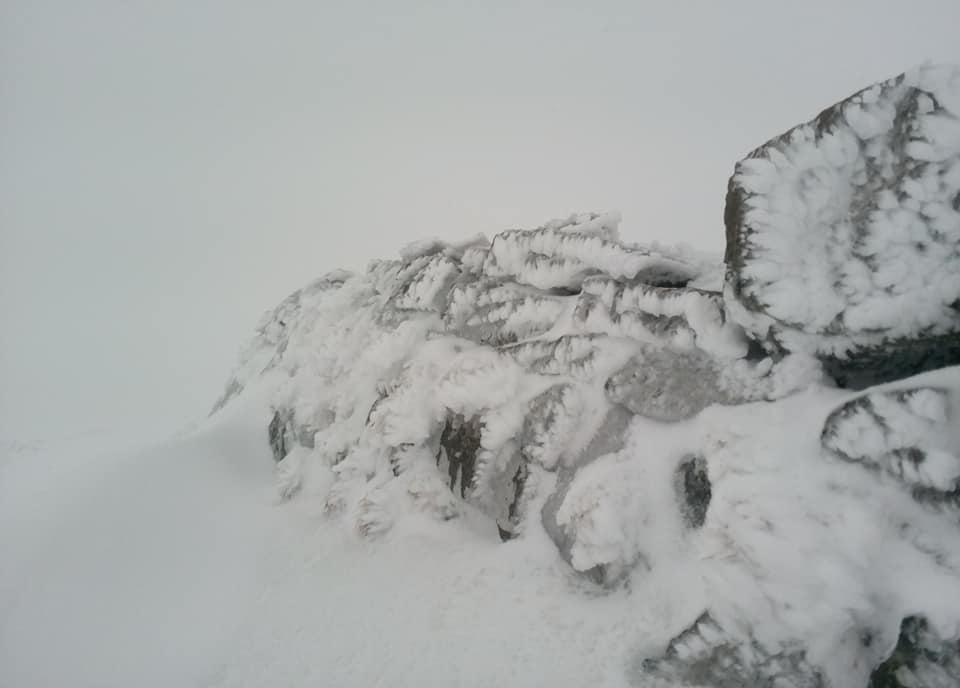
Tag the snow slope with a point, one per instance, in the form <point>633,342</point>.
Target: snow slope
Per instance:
<point>553,458</point>
<point>175,565</point>
<point>131,565</point>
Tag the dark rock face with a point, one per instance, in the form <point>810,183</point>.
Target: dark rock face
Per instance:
<point>608,438</point>
<point>921,659</point>
<point>548,425</point>
<point>459,457</point>
<point>280,433</point>
<point>904,433</point>
<point>693,490</point>
<point>842,236</point>
<point>894,360</point>
<point>459,445</point>
<point>285,432</point>
<point>515,493</point>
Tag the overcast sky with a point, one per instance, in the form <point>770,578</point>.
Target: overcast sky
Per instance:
<point>168,170</point>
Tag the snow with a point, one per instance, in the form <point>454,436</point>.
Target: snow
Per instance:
<point>174,564</point>
<point>583,373</point>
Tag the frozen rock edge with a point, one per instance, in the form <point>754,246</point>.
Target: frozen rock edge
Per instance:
<point>843,234</point>
<point>650,410</point>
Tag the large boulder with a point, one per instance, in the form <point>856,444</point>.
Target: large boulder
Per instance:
<point>843,234</point>
<point>499,371</point>
<point>669,385</point>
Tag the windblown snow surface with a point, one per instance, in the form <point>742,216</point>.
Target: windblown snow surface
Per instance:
<point>175,565</point>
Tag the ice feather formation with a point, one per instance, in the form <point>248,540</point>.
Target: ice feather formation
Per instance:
<point>650,411</point>
<point>843,234</point>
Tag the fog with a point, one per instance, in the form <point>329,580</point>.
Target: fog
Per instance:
<point>170,170</point>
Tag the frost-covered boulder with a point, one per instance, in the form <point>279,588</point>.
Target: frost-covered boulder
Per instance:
<point>669,385</point>
<point>706,655</point>
<point>500,370</point>
<point>911,434</point>
<point>843,234</point>
<point>280,432</point>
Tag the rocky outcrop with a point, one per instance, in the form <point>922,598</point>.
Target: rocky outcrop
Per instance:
<point>280,434</point>
<point>648,416</point>
<point>459,446</point>
<point>843,234</point>
<point>669,385</point>
<point>538,341</point>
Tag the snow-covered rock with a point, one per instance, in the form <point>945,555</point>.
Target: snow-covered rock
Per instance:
<point>669,385</point>
<point>665,441</point>
<point>498,359</point>
<point>705,655</point>
<point>442,385</point>
<point>909,433</point>
<point>843,234</point>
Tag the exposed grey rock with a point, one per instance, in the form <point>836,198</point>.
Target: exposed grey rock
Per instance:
<point>512,500</point>
<point>608,438</point>
<point>286,431</point>
<point>893,360</point>
<point>496,312</point>
<point>669,384</point>
<point>552,417</point>
<point>693,490</point>
<point>843,239</point>
<point>459,445</point>
<point>280,434</point>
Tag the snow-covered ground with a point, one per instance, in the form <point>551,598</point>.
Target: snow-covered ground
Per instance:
<point>175,565</point>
